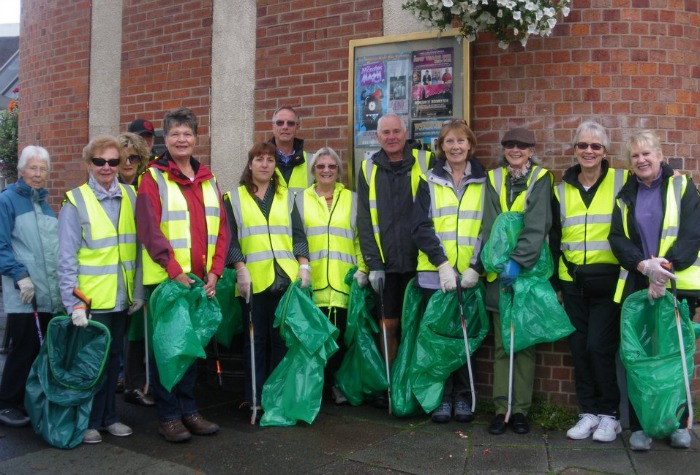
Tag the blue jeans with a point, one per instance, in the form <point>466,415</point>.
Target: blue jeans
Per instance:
<point>180,400</point>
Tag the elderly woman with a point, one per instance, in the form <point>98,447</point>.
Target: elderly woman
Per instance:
<point>657,213</point>
<point>28,260</point>
<point>183,229</point>
<point>268,250</point>
<point>97,254</point>
<point>328,212</point>
<point>137,156</point>
<point>448,210</point>
<point>588,272</point>
<point>519,184</point>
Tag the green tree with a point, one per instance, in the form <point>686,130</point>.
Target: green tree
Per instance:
<point>8,141</point>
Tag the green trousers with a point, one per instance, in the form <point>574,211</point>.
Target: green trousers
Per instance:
<point>523,374</point>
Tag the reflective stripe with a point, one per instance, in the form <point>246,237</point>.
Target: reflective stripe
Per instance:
<point>586,246</point>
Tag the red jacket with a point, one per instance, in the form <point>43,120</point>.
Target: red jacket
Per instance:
<point>148,213</point>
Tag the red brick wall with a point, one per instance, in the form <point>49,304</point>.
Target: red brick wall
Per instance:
<point>302,60</point>
<point>54,86</point>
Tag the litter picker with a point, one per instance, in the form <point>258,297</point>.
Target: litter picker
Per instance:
<point>510,363</point>
<point>466,344</point>
<point>36,320</point>
<point>386,342</point>
<point>251,333</point>
<point>215,343</point>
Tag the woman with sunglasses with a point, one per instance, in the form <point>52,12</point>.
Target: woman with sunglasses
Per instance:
<point>446,227</point>
<point>587,274</point>
<point>97,254</point>
<point>518,184</point>
<point>137,156</point>
<point>328,211</point>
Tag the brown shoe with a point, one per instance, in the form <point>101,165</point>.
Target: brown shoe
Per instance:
<point>199,425</point>
<point>174,431</point>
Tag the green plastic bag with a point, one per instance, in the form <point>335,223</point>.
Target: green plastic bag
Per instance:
<point>361,376</point>
<point>184,320</point>
<point>440,343</point>
<point>403,402</point>
<point>64,379</point>
<point>293,391</point>
<point>531,304</point>
<point>231,312</point>
<point>650,352</point>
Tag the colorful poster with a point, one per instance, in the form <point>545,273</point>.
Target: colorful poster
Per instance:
<point>431,90</point>
<point>426,132</point>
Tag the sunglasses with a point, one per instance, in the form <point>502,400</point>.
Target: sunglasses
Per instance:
<point>511,144</point>
<point>290,123</point>
<point>594,146</point>
<point>100,162</point>
<point>321,166</point>
<point>455,121</point>
<point>134,158</point>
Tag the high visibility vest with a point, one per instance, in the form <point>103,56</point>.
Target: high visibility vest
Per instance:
<point>369,170</point>
<point>331,238</point>
<point>105,248</point>
<point>457,224</point>
<point>584,231</point>
<point>687,279</point>
<point>175,225</point>
<point>300,179</point>
<point>264,241</point>
<point>497,179</point>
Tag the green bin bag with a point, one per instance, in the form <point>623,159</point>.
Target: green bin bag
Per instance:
<point>184,320</point>
<point>531,304</point>
<point>403,402</point>
<point>293,391</point>
<point>440,343</point>
<point>231,312</point>
<point>651,354</point>
<point>362,375</point>
<point>64,378</point>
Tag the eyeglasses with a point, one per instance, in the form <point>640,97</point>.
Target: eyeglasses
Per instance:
<point>290,123</point>
<point>134,158</point>
<point>594,146</point>
<point>100,162</point>
<point>512,144</point>
<point>323,166</point>
<point>41,170</point>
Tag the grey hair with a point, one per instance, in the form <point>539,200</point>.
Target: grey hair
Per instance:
<point>391,114</point>
<point>327,151</point>
<point>645,137</point>
<point>595,129</point>
<point>33,151</point>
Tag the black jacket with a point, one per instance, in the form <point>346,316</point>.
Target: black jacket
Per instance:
<point>298,159</point>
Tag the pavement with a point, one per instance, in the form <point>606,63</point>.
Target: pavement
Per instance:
<point>342,440</point>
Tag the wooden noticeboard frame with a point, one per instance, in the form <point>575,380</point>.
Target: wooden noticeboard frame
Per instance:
<point>423,77</point>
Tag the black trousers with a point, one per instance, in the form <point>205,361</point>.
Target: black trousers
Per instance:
<point>594,344</point>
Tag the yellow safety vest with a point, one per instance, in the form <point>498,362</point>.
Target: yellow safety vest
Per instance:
<point>687,279</point>
<point>584,231</point>
<point>105,249</point>
<point>497,179</point>
<point>457,224</point>
<point>175,225</point>
<point>265,241</point>
<point>369,170</point>
<point>331,237</point>
<point>300,179</point>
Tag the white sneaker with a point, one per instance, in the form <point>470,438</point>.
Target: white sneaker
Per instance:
<point>92,436</point>
<point>607,430</point>
<point>586,425</point>
<point>680,439</point>
<point>640,441</point>
<point>119,430</point>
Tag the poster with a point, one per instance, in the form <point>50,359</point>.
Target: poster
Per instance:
<point>426,132</point>
<point>431,83</point>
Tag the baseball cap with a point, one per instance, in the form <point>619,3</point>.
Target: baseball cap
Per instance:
<point>141,126</point>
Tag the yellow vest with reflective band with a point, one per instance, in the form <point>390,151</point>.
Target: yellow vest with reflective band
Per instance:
<point>175,225</point>
<point>265,241</point>
<point>584,231</point>
<point>300,179</point>
<point>497,179</point>
<point>369,170</point>
<point>457,224</point>
<point>687,279</point>
<point>105,249</point>
<point>331,238</point>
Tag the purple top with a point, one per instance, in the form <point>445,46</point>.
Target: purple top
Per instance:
<point>648,215</point>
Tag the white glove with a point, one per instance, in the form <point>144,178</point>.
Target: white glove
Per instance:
<point>470,277</point>
<point>135,306</point>
<point>657,274</point>
<point>375,278</point>
<point>78,317</point>
<point>243,282</point>
<point>26,290</point>
<point>304,275</point>
<point>448,280</point>
<point>656,291</point>
<point>361,279</point>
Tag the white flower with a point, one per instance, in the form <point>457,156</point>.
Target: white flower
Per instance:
<point>517,15</point>
<point>447,3</point>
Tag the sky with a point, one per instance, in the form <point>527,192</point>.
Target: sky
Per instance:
<point>9,11</point>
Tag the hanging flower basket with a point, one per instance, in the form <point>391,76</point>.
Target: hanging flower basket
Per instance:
<point>508,20</point>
